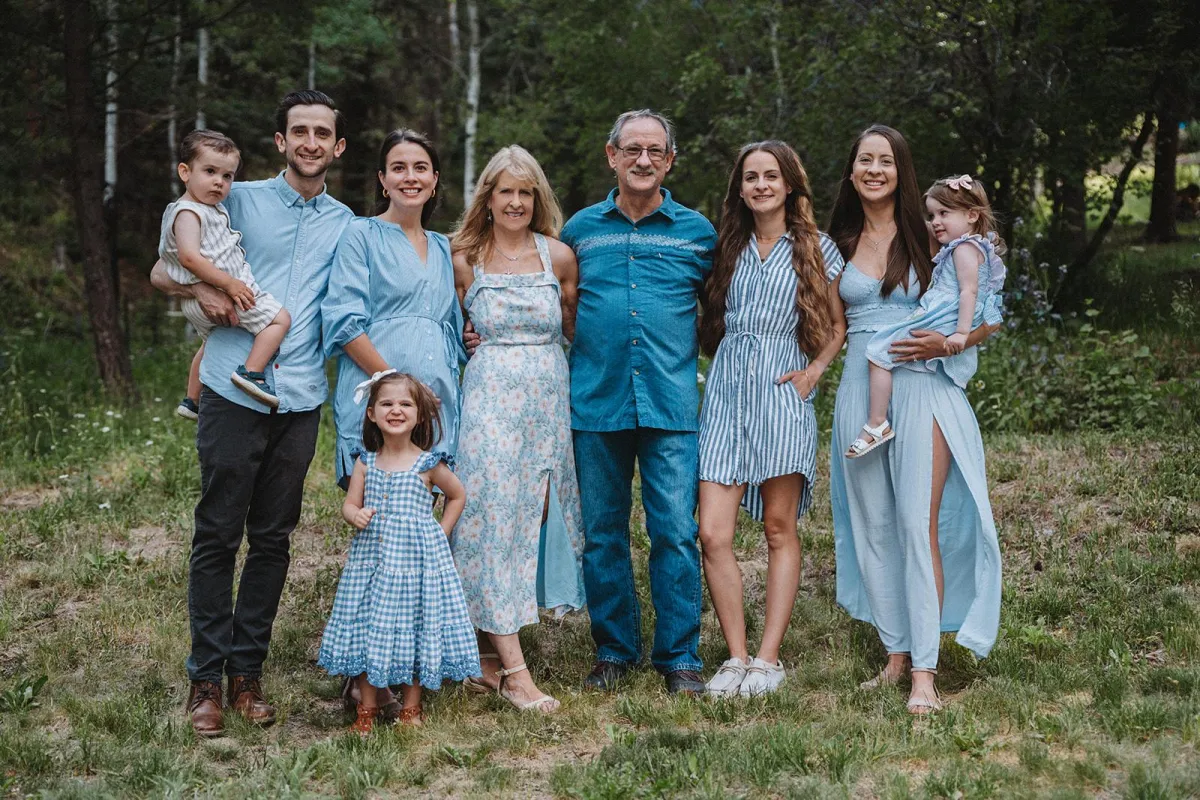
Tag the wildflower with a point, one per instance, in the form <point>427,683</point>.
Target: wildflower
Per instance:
<point>105,506</point>
<point>156,419</point>
<point>699,377</point>
<point>63,477</point>
<point>81,416</point>
<point>105,429</point>
<point>158,399</point>
<point>108,413</point>
<point>149,442</point>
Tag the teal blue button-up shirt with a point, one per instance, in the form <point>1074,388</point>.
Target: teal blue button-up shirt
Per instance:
<point>633,362</point>
<point>289,246</point>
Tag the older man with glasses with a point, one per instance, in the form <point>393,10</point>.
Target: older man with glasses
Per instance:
<point>642,261</point>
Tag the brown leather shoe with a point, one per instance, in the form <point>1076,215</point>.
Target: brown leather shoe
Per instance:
<point>246,698</point>
<point>204,707</point>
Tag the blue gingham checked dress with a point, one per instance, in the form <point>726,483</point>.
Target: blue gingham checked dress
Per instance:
<point>399,613</point>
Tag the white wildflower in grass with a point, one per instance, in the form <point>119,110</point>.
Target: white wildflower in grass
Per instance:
<point>158,399</point>
<point>699,377</point>
<point>63,477</point>
<point>149,442</point>
<point>156,419</point>
<point>105,429</point>
<point>81,416</point>
<point>108,413</point>
<point>104,506</point>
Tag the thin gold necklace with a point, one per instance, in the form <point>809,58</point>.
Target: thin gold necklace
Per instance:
<point>874,244</point>
<point>519,254</point>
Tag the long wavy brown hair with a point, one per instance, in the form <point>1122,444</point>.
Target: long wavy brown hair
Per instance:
<point>910,246</point>
<point>737,223</point>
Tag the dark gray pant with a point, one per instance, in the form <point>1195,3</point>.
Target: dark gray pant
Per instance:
<point>252,468</point>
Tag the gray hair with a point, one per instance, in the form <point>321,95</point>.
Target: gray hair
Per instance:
<point>614,135</point>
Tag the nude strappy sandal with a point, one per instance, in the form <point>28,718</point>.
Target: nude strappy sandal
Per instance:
<point>544,704</point>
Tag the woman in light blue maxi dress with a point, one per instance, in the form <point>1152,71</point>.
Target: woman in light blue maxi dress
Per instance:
<point>881,502</point>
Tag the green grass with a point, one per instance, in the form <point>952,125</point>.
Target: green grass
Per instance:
<point>1093,687</point>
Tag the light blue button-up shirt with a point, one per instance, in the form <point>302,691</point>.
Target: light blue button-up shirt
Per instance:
<point>633,362</point>
<point>289,245</point>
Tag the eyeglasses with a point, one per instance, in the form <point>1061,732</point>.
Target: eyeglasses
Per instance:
<point>634,152</point>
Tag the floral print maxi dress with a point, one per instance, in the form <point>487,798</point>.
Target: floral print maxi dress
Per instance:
<point>515,448</point>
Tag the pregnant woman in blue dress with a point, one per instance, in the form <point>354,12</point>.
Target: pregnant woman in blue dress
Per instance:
<point>391,302</point>
<point>917,552</point>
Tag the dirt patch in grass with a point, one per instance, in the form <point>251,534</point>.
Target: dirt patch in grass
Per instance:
<point>151,542</point>
<point>26,499</point>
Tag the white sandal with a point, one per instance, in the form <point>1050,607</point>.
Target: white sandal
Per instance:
<point>477,685</point>
<point>922,704</point>
<point>880,434</point>
<point>545,704</point>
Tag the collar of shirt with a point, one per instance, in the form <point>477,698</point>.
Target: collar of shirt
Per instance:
<point>291,197</point>
<point>668,207</point>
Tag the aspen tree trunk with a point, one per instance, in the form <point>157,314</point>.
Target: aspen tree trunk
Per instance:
<point>455,47</point>
<point>201,70</point>
<point>472,122</point>
<point>312,61</point>
<point>173,108</point>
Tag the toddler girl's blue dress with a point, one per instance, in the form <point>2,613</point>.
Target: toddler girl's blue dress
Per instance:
<point>399,614</point>
<point>938,311</point>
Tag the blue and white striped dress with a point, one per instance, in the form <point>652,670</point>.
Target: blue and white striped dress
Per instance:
<point>752,429</point>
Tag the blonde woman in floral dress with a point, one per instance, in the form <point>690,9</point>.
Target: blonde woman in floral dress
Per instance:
<point>519,543</point>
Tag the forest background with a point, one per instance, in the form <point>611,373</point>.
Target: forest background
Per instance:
<point>1080,118</point>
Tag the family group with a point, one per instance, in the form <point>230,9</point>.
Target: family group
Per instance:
<point>578,349</point>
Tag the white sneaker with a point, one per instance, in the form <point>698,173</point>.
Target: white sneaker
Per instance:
<point>761,677</point>
<point>728,678</point>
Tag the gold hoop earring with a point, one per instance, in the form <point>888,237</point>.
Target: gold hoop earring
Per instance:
<point>385,192</point>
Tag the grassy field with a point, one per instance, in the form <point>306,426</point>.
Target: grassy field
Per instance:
<point>1092,690</point>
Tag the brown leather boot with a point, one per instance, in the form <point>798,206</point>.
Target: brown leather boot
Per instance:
<point>246,698</point>
<point>204,707</point>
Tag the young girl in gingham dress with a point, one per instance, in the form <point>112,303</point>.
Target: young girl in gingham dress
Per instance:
<point>399,616</point>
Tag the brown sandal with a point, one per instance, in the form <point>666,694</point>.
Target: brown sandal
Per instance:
<point>364,722</point>
<point>411,717</point>
<point>388,712</point>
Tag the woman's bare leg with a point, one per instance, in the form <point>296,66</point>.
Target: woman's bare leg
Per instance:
<point>923,685</point>
<point>781,499</point>
<point>718,521</point>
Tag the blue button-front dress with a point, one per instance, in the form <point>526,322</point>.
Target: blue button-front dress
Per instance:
<point>409,310</point>
<point>751,428</point>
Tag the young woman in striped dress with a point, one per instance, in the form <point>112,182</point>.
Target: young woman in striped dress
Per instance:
<point>769,323</point>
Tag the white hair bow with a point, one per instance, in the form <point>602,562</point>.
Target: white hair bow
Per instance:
<point>363,390</point>
<point>961,182</point>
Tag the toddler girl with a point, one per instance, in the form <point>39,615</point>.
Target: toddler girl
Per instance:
<point>399,616</point>
<point>963,294</point>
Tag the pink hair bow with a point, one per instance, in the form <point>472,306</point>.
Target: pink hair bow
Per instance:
<point>960,183</point>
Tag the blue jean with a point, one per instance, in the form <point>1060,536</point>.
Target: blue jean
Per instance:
<point>668,462</point>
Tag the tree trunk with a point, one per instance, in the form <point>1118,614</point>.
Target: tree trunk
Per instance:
<point>201,71</point>
<point>455,48</point>
<point>312,61</point>
<point>1077,272</point>
<point>112,357</point>
<point>173,109</point>
<point>472,122</point>
<point>1161,227</point>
